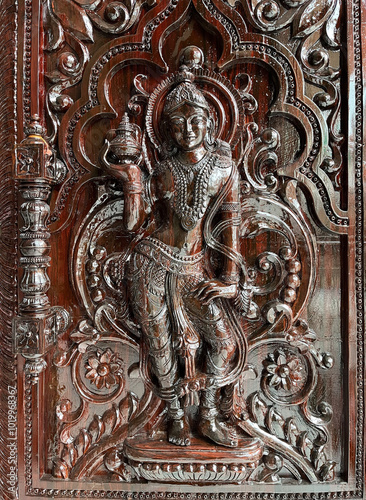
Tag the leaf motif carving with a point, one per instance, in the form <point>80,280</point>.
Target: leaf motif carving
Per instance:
<point>73,455</point>
<point>312,17</point>
<point>328,470</point>
<point>272,418</point>
<point>69,454</point>
<point>258,407</point>
<point>111,418</point>
<point>308,451</point>
<point>60,469</point>
<point>97,428</point>
<point>291,432</point>
<point>87,440</point>
<point>305,444</point>
<point>332,32</point>
<point>54,34</point>
<point>73,19</point>
<point>318,457</point>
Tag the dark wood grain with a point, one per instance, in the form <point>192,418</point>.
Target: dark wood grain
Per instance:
<point>97,237</point>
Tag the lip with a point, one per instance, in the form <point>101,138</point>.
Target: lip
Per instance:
<point>190,138</point>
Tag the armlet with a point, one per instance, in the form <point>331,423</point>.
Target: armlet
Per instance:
<point>230,207</point>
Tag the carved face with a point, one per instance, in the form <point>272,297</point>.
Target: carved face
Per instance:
<point>188,126</point>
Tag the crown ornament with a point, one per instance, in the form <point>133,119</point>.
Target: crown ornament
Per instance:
<point>184,93</point>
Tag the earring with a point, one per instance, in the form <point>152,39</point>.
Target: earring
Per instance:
<point>209,141</point>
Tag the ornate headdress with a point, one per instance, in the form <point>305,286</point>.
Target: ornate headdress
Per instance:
<point>185,92</point>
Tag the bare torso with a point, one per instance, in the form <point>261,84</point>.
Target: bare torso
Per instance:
<point>170,230</point>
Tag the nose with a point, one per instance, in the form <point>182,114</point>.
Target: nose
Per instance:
<point>188,127</point>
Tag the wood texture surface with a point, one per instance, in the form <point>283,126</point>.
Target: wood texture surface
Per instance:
<point>182,249</point>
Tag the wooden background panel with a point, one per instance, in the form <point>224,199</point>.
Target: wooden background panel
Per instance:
<point>335,311</point>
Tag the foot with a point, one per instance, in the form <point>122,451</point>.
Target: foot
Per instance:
<point>218,432</point>
<point>178,432</point>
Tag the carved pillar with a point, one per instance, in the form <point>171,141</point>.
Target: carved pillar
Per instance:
<point>37,325</point>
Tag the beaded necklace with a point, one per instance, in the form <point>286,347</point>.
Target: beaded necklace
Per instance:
<point>182,175</point>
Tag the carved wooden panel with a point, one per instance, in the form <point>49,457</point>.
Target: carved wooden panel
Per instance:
<point>182,273</point>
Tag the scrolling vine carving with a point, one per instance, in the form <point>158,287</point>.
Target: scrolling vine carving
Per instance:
<point>246,46</point>
<point>315,32</point>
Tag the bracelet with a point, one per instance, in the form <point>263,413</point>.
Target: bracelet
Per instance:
<point>133,188</point>
<point>232,278</point>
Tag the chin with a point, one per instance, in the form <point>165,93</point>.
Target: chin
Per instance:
<point>189,146</point>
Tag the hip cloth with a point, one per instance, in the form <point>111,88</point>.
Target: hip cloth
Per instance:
<point>186,346</point>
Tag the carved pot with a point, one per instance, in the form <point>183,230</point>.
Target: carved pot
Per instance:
<point>126,145</point>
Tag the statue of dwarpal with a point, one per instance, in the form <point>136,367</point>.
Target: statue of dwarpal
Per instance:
<point>192,347</point>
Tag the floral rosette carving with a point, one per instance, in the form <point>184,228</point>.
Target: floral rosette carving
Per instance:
<point>283,407</point>
<point>28,335</point>
<point>104,369</point>
<point>287,376</point>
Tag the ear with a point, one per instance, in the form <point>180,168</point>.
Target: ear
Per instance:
<point>210,139</point>
<point>169,149</point>
<point>164,128</point>
<point>211,123</point>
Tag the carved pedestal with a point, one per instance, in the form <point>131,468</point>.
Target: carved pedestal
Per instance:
<point>201,462</point>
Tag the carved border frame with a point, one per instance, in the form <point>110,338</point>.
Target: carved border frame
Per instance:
<point>8,250</point>
<point>19,470</point>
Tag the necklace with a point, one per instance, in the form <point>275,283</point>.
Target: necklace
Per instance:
<point>182,175</point>
<point>191,169</point>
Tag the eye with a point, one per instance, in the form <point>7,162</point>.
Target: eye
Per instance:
<point>198,120</point>
<point>177,122</point>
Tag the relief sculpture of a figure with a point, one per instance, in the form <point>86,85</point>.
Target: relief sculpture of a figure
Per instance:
<point>193,349</point>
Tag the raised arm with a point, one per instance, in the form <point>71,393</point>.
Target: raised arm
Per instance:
<point>120,157</point>
<point>135,209</point>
